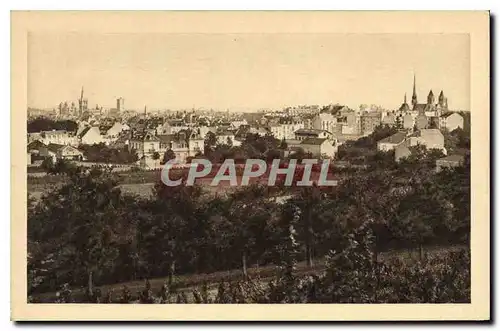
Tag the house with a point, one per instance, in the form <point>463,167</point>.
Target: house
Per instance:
<point>324,121</point>
<point>34,136</point>
<point>422,121</point>
<point>145,144</point>
<point>58,152</point>
<point>391,142</point>
<point>90,135</point>
<point>236,124</point>
<point>408,121</point>
<point>34,148</point>
<point>196,143</point>
<point>389,119</point>
<point>176,125</point>
<point>225,137</point>
<point>261,131</point>
<point>122,140</point>
<point>450,161</point>
<point>318,147</point>
<point>111,133</point>
<point>430,138</point>
<point>61,137</point>
<point>184,144</point>
<point>369,121</point>
<point>302,134</point>
<point>451,121</point>
<point>286,130</point>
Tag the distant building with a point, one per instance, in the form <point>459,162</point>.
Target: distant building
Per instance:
<point>369,121</point>
<point>286,130</point>
<point>389,119</point>
<point>90,135</point>
<point>431,108</point>
<point>83,104</point>
<point>120,104</point>
<point>58,152</point>
<point>324,121</point>
<point>430,138</point>
<point>184,144</point>
<point>36,150</point>
<point>61,137</point>
<point>110,133</point>
<point>451,121</point>
<point>391,142</point>
<point>318,147</point>
<point>144,143</point>
<point>303,134</point>
<point>408,121</point>
<point>225,137</point>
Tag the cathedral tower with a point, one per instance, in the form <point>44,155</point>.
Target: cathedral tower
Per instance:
<point>441,99</point>
<point>430,98</point>
<point>414,96</point>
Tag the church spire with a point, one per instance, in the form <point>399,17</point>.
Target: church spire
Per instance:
<point>441,98</point>
<point>414,96</point>
<point>405,98</point>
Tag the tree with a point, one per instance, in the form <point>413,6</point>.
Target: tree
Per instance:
<point>307,201</point>
<point>47,164</point>
<point>283,144</point>
<point>168,155</point>
<point>45,124</point>
<point>248,215</point>
<point>81,218</point>
<point>210,140</point>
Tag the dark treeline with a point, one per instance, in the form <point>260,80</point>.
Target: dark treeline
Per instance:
<point>46,124</point>
<point>102,153</point>
<point>88,232</point>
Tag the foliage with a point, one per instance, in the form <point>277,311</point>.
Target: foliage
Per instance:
<point>87,233</point>
<point>167,156</point>
<point>102,153</point>
<point>45,124</point>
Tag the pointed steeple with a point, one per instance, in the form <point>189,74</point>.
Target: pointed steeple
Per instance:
<point>80,103</point>
<point>404,107</point>
<point>414,96</point>
<point>430,98</point>
<point>441,98</point>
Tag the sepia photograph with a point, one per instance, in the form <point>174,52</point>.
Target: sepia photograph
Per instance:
<point>229,165</point>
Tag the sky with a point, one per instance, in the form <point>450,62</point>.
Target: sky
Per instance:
<point>246,71</point>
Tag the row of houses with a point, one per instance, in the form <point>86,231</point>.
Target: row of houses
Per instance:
<point>85,135</point>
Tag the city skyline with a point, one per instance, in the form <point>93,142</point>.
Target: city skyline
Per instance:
<point>246,71</point>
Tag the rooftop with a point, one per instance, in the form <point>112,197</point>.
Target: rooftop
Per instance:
<point>394,139</point>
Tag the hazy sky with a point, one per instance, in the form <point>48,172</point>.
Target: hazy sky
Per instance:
<point>246,70</point>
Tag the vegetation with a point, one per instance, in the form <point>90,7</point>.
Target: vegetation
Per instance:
<point>102,153</point>
<point>87,233</point>
<point>364,150</point>
<point>46,124</point>
<point>254,146</point>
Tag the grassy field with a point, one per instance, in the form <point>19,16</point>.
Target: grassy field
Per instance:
<point>186,283</point>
